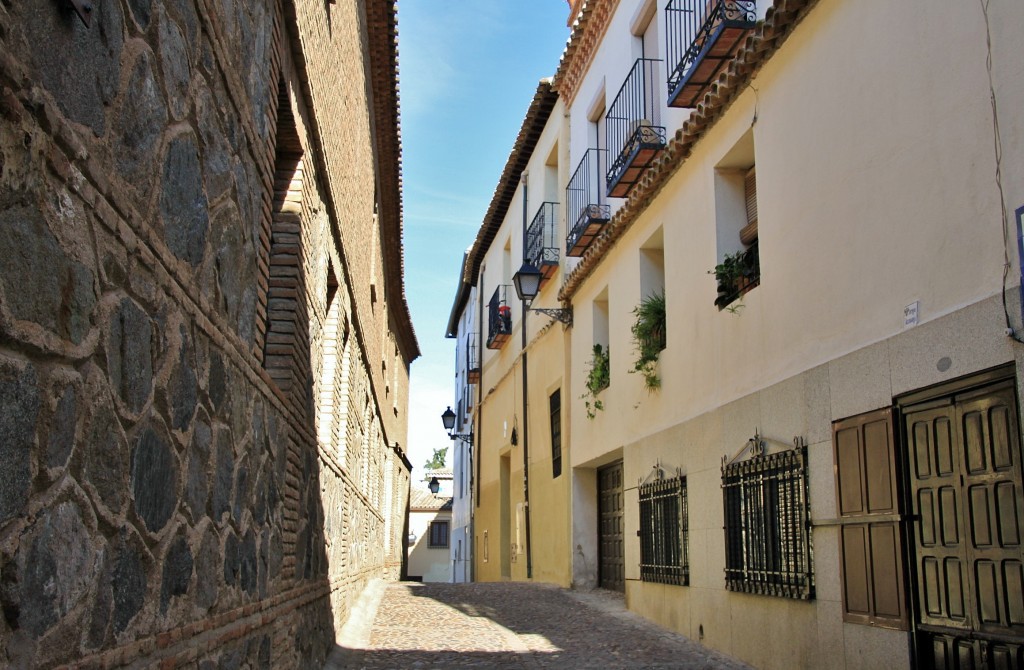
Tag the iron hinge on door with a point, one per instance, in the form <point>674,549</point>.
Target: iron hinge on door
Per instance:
<point>83,8</point>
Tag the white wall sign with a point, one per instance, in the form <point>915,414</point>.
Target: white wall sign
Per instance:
<point>910,314</point>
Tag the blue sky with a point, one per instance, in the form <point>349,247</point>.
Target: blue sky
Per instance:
<point>468,71</point>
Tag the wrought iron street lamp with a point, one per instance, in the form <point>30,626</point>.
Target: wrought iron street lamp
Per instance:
<point>448,419</point>
<point>434,485</point>
<point>527,283</point>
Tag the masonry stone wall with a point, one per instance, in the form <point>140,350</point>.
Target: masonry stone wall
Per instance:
<point>164,497</point>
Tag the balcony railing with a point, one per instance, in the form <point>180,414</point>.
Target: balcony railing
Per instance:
<point>499,318</point>
<point>634,137</point>
<point>587,210</point>
<point>542,241</point>
<point>472,360</point>
<point>702,37</point>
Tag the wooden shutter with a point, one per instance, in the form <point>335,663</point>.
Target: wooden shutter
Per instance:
<point>870,544</point>
<point>750,191</point>
<point>748,234</point>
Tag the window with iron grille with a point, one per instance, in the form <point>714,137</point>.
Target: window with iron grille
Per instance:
<point>555,406</point>
<point>438,535</point>
<point>767,519</point>
<point>664,532</point>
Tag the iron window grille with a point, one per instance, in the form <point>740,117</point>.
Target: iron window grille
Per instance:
<point>499,318</point>
<point>587,209</point>
<point>438,535</point>
<point>701,36</point>
<point>634,135</point>
<point>542,239</point>
<point>767,525</point>
<point>664,532</point>
<point>472,359</point>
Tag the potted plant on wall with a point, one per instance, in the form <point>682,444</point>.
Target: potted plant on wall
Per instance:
<point>649,338</point>
<point>598,378</point>
<point>736,274</point>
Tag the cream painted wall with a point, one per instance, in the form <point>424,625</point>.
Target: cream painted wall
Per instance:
<point>873,141</point>
<point>502,406</point>
<point>845,244</point>
<point>431,563</point>
<point>872,137</point>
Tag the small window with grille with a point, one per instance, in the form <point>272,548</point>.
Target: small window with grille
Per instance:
<point>767,519</point>
<point>663,532</point>
<point>438,535</point>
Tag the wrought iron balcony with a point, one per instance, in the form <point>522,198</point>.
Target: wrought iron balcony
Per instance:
<point>499,318</point>
<point>542,241</point>
<point>587,210</point>
<point>633,136</point>
<point>703,36</point>
<point>472,360</point>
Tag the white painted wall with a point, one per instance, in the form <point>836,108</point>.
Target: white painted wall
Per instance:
<point>430,563</point>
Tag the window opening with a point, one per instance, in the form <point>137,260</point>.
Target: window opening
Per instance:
<point>739,266</point>
<point>664,531</point>
<point>767,520</point>
<point>555,410</point>
<point>438,535</point>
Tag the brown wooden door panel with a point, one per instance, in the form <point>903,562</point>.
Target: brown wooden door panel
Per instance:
<point>610,526</point>
<point>966,494</point>
<point>935,499</point>
<point>870,543</point>
<point>888,572</point>
<point>992,485</point>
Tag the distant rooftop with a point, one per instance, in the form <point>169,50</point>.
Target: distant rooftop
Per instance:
<point>422,499</point>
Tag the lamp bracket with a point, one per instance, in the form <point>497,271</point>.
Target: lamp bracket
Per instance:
<point>465,437</point>
<point>562,315</point>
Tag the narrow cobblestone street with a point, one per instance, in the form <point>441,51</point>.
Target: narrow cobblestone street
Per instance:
<point>507,625</point>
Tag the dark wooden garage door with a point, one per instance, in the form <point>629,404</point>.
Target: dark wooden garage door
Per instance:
<point>966,496</point>
<point>609,504</point>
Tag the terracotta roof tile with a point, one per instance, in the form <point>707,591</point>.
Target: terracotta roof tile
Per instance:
<point>382,29</point>
<point>422,499</point>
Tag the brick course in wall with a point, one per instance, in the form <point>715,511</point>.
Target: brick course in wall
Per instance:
<point>165,499</point>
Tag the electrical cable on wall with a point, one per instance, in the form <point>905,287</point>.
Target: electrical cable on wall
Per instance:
<point>998,146</point>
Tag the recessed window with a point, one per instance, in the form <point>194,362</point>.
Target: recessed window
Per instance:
<point>438,535</point>
<point>767,542</point>
<point>555,407</point>
<point>738,263</point>
<point>664,531</point>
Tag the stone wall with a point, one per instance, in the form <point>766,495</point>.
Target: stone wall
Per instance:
<point>164,498</point>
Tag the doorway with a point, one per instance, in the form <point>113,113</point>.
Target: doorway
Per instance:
<point>965,495</point>
<point>506,520</point>
<point>611,559</point>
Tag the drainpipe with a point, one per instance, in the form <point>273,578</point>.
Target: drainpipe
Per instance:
<point>477,444</point>
<point>526,408</point>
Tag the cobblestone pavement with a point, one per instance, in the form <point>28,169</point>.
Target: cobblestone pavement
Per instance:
<point>507,625</point>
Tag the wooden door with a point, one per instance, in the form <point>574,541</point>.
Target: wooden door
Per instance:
<point>966,500</point>
<point>611,559</point>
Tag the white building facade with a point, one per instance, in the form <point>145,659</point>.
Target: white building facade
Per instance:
<point>463,328</point>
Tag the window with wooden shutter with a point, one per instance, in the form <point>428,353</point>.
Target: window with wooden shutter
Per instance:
<point>748,234</point>
<point>870,544</point>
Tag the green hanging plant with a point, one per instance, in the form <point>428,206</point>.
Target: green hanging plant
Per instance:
<point>736,274</point>
<point>598,379</point>
<point>649,338</point>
